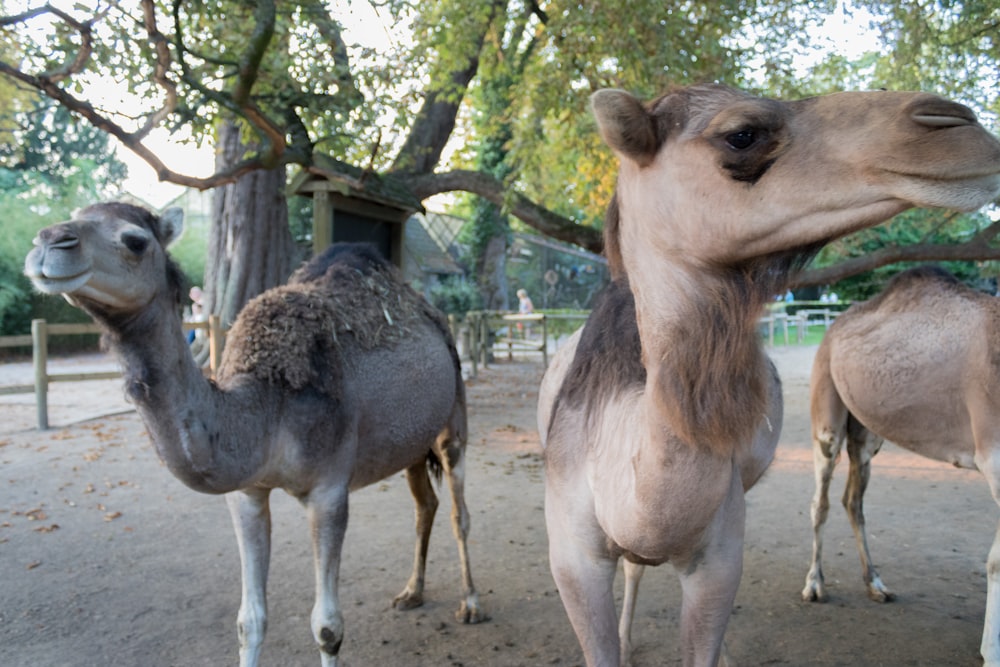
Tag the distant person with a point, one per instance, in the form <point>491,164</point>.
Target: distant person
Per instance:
<point>197,312</point>
<point>524,307</point>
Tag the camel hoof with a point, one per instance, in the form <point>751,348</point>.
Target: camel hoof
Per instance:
<point>880,595</point>
<point>814,593</point>
<point>470,612</point>
<point>407,600</point>
<point>877,591</point>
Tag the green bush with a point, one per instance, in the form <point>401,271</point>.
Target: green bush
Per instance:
<point>456,296</point>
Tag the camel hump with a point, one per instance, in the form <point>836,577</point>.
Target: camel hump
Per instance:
<point>360,257</point>
<point>920,274</point>
<point>912,286</point>
<point>348,292</point>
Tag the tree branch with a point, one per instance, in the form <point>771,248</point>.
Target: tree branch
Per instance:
<point>435,121</point>
<point>975,250</point>
<point>260,39</point>
<point>162,65</point>
<point>330,31</point>
<point>493,190</point>
<point>272,144</point>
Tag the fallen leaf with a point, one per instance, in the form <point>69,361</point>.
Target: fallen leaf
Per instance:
<point>33,565</point>
<point>47,529</point>
<point>111,516</point>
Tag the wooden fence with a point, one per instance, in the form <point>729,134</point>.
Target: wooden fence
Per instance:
<point>482,333</point>
<point>486,331</point>
<point>38,340</point>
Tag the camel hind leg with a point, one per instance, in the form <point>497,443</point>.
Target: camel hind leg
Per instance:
<point>862,445</point>
<point>633,575</point>
<point>426,504</point>
<point>829,419</point>
<point>451,451</point>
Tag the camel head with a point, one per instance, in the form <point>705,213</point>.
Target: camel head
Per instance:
<point>714,175</point>
<point>110,259</point>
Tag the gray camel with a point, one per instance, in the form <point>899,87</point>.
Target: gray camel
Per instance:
<point>338,379</point>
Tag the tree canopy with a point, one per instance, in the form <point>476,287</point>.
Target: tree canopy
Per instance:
<point>458,80</point>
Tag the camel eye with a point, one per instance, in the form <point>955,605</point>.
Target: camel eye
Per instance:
<point>135,242</point>
<point>742,139</point>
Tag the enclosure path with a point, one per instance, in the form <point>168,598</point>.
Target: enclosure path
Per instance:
<point>106,559</point>
<point>69,402</point>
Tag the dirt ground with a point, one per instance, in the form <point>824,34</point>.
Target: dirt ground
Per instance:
<point>105,559</point>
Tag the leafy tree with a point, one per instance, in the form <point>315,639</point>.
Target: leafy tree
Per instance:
<point>943,46</point>
<point>187,69</point>
<point>857,263</point>
<point>506,82</point>
<point>50,164</point>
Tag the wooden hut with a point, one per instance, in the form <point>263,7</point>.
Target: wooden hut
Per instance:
<point>353,204</point>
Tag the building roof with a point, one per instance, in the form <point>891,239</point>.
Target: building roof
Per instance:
<point>428,254</point>
<point>328,173</point>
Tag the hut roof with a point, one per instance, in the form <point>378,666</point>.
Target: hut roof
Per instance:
<point>330,174</point>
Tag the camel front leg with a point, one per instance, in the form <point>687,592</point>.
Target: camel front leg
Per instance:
<point>426,507</point>
<point>990,645</point>
<point>584,576</point>
<point>826,449</point>
<point>633,575</point>
<point>709,582</point>
<point>989,464</point>
<point>327,509</point>
<point>251,514</point>
<point>862,445</point>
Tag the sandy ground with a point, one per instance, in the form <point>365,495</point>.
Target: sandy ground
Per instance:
<point>105,559</point>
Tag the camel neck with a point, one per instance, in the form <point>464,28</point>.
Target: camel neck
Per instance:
<point>706,369</point>
<point>200,431</point>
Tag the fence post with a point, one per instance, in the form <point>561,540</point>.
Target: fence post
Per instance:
<point>472,322</point>
<point>545,342</point>
<point>214,343</point>
<point>39,357</point>
<point>485,342</point>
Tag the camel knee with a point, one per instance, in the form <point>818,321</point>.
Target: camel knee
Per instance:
<point>826,441</point>
<point>328,631</point>
<point>251,625</point>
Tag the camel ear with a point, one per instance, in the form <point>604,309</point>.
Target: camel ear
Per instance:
<point>626,125</point>
<point>171,225</point>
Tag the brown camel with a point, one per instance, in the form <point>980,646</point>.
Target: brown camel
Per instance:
<point>338,379</point>
<point>664,409</point>
<point>916,365</point>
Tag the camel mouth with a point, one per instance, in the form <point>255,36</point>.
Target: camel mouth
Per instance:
<point>66,285</point>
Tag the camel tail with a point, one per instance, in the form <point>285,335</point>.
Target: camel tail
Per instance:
<point>434,467</point>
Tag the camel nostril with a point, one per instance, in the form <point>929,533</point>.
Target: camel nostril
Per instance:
<point>931,120</point>
<point>57,238</point>
<point>939,113</point>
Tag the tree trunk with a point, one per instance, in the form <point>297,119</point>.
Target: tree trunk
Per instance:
<point>492,273</point>
<point>251,247</point>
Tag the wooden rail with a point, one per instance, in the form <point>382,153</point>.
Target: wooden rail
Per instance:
<point>38,340</point>
<point>480,337</point>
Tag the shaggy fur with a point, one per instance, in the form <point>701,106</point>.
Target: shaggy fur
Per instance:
<point>716,385</point>
<point>293,335</point>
